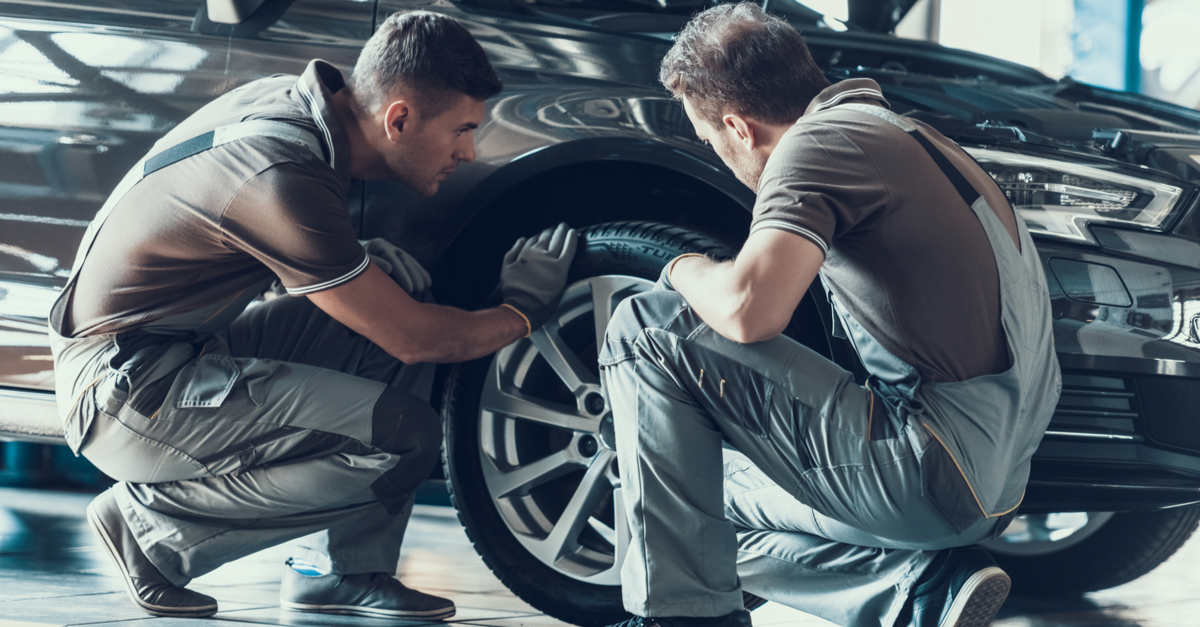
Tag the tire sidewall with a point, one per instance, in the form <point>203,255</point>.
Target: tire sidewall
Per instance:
<point>633,249</point>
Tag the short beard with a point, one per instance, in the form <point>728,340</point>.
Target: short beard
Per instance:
<point>748,168</point>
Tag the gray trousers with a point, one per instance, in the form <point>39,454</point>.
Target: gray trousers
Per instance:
<point>287,424</point>
<point>824,508</point>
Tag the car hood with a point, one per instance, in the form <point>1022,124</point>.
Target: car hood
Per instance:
<point>878,16</point>
<point>1060,115</point>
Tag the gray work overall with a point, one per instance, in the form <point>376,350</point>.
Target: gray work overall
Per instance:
<point>230,431</point>
<point>838,495</point>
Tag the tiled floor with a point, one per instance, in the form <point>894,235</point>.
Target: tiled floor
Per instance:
<point>52,572</point>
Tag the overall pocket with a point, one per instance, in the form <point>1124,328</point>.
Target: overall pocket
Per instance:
<point>79,421</point>
<point>947,488</point>
<point>207,382</point>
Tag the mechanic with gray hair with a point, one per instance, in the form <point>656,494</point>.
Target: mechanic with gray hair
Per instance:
<point>846,501</point>
<point>232,429</point>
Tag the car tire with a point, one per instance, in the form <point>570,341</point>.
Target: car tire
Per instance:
<point>572,575</point>
<point>1113,548</point>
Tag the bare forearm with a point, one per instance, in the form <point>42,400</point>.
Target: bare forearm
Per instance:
<point>374,306</point>
<point>450,335</point>
<point>752,298</point>
<point>714,291</point>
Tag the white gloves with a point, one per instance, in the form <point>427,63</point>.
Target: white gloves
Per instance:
<point>534,273</point>
<point>401,266</point>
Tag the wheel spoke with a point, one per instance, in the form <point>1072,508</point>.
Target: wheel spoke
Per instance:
<point>565,363</point>
<point>524,478</point>
<point>539,411</point>
<point>564,537</point>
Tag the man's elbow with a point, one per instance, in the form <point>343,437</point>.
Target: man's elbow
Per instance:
<point>748,328</point>
<point>411,352</point>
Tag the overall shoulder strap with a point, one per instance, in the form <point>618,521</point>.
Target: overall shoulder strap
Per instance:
<point>174,154</point>
<point>964,188</point>
<point>225,134</point>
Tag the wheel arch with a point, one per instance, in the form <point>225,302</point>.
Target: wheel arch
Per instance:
<point>612,179</point>
<point>584,182</point>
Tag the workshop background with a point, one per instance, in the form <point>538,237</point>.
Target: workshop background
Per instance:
<point>1145,46</point>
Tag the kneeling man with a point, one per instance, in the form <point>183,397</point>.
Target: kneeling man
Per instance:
<point>846,501</point>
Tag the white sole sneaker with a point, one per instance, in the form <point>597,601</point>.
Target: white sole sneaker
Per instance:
<point>199,611</point>
<point>370,612</point>
<point>980,598</point>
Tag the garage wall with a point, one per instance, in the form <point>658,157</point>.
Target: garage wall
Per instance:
<point>1148,46</point>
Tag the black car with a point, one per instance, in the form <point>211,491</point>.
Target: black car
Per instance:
<point>1106,181</point>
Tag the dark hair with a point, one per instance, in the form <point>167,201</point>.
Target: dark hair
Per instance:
<point>733,58</point>
<point>428,55</point>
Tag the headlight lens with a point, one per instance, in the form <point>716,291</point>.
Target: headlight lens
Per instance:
<point>1059,198</point>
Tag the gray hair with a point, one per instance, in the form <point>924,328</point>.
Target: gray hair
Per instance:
<point>733,58</point>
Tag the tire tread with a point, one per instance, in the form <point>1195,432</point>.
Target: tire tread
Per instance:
<point>629,247</point>
<point>1129,545</point>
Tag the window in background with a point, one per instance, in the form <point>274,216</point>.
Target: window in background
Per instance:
<point>1150,46</point>
<point>1170,51</point>
<point>837,9</point>
<point>1037,33</point>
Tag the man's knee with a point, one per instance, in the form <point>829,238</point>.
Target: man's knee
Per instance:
<point>659,309</point>
<point>406,425</point>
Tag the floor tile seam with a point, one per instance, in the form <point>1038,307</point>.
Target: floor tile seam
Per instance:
<point>49,551</point>
<point>101,622</point>
<point>440,590</point>
<point>477,621</point>
<point>494,609</point>
<point>62,596</point>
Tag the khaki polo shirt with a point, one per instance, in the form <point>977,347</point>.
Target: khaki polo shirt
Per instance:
<point>905,255</point>
<point>197,234</point>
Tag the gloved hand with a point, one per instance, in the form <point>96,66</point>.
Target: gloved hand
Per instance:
<point>534,273</point>
<point>404,270</point>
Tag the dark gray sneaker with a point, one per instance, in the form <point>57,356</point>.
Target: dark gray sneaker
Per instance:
<point>967,591</point>
<point>147,587</point>
<point>376,595</point>
<point>752,601</point>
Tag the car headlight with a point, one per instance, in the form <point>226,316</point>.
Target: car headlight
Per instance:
<point>1059,198</point>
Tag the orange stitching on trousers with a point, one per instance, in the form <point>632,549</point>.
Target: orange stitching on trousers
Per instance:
<point>967,481</point>
<point>81,393</point>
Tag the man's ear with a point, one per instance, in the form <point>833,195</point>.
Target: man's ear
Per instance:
<point>396,117</point>
<point>743,129</point>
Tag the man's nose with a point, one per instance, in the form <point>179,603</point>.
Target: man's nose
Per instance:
<point>465,150</point>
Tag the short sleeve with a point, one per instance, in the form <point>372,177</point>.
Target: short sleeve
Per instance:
<point>818,183</point>
<point>295,222</point>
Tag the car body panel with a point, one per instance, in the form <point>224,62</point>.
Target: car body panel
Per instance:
<point>583,133</point>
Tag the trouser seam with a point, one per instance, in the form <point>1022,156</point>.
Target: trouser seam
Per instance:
<point>141,529</point>
<point>891,462</point>
<point>806,566</point>
<point>641,513</point>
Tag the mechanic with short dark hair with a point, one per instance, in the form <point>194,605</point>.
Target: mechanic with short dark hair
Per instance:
<point>234,429</point>
<point>845,501</point>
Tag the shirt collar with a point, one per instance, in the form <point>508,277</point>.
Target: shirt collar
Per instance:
<point>854,88</point>
<point>316,87</point>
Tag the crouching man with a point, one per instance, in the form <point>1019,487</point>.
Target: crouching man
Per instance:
<point>231,429</point>
<point>845,501</point>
